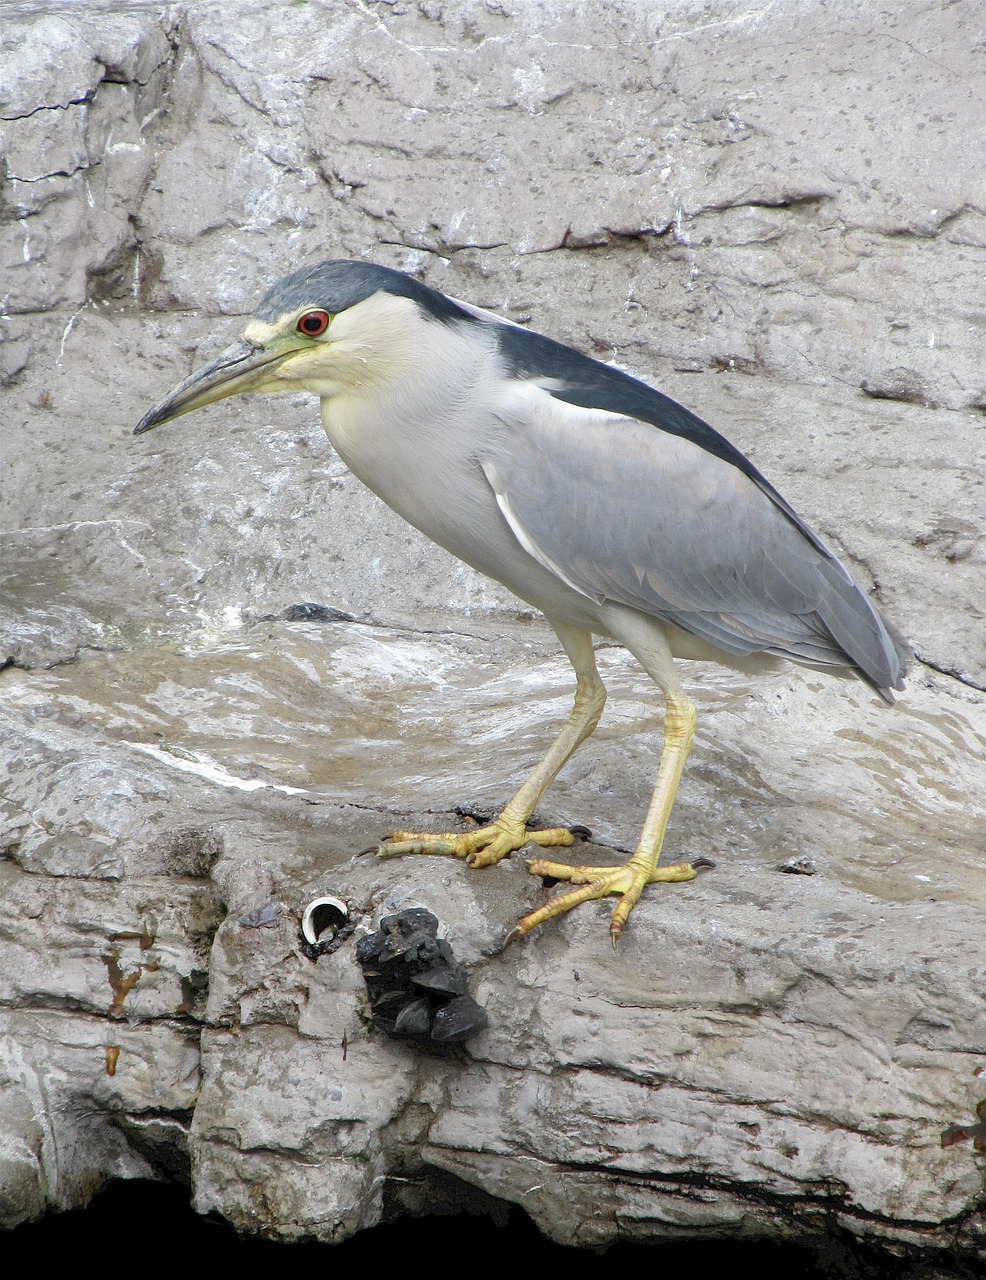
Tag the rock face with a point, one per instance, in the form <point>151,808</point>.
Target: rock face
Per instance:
<point>770,212</point>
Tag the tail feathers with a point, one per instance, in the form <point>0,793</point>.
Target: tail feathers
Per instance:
<point>872,645</point>
<point>844,630</point>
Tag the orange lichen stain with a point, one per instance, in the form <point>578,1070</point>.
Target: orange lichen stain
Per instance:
<point>963,1132</point>
<point>145,938</point>
<point>121,983</point>
<point>260,1202</point>
<point>112,1056</point>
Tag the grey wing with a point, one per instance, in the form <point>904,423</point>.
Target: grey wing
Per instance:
<point>654,521</point>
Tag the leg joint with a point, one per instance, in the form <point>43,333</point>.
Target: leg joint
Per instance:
<point>679,719</point>
<point>590,697</point>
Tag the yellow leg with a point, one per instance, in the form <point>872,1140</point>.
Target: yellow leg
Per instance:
<point>651,647</point>
<point>487,845</point>
<point>629,880</point>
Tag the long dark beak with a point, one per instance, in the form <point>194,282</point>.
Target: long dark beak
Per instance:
<point>242,367</point>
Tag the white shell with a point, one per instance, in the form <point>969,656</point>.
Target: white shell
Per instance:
<point>337,908</point>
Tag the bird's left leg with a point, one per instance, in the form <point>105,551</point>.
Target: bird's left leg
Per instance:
<point>487,845</point>
<point>650,647</point>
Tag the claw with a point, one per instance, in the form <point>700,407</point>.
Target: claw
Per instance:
<point>480,847</point>
<point>628,881</point>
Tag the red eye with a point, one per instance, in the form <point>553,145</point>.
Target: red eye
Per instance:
<point>312,323</point>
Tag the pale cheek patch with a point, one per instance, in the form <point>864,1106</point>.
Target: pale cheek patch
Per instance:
<point>258,332</point>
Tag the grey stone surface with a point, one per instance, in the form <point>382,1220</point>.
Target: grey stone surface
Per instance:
<point>774,213</point>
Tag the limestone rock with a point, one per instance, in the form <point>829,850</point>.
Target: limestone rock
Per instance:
<point>771,212</point>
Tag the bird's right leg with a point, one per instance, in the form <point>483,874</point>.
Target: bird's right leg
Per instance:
<point>646,640</point>
<point>487,845</point>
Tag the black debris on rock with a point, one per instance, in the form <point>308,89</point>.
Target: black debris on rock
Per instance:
<point>417,989</point>
<point>803,866</point>
<point>309,611</point>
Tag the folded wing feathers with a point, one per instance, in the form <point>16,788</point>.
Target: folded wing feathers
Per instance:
<point>696,541</point>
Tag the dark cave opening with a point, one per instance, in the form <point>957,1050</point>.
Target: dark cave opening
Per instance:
<point>144,1221</point>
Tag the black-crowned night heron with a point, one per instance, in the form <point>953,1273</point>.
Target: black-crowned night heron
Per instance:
<point>607,505</point>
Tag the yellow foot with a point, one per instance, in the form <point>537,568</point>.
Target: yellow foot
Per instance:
<point>480,848</point>
<point>628,881</point>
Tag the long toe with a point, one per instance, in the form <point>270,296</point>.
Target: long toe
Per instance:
<point>483,847</point>
<point>628,881</point>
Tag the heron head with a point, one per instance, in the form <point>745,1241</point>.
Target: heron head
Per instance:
<point>324,329</point>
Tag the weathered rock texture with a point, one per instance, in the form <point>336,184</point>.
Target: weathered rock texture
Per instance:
<point>776,214</point>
